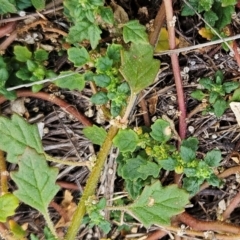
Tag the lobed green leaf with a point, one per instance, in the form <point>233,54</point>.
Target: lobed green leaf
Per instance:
<point>20,134</point>
<point>134,32</point>
<point>155,199</point>
<point>99,98</point>
<point>35,180</point>
<point>219,107</point>
<point>78,56</point>
<point>7,7</point>
<point>213,158</point>
<point>224,14</point>
<point>102,80</point>
<point>126,140</point>
<point>187,154</point>
<point>106,14</point>
<point>138,66</point>
<point>22,53</point>
<point>230,86</point>
<point>191,143</point>
<point>198,94</point>
<point>95,134</point>
<point>38,4</point>
<point>74,81</point>
<point>40,55</point>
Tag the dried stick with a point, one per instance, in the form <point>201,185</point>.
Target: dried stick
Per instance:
<point>146,117</point>
<point>55,100</point>
<point>157,25</point>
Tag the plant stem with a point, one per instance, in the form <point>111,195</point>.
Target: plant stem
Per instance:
<point>55,100</point>
<point>4,174</point>
<point>65,162</point>
<point>176,69</point>
<point>129,108</point>
<point>116,208</point>
<point>50,224</point>
<point>91,184</point>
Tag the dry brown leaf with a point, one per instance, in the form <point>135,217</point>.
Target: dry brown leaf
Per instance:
<point>235,156</point>
<point>152,104</point>
<point>69,207</point>
<point>235,106</point>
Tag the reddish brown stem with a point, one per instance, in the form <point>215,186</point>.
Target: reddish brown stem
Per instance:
<point>60,210</point>
<point>157,235</point>
<point>55,100</point>
<point>208,226</point>
<point>236,54</point>
<point>157,25</point>
<point>68,185</point>
<point>146,117</point>
<point>176,69</point>
<point>4,45</point>
<point>233,204</point>
<point>8,28</point>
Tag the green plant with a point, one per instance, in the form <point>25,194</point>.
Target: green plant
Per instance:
<point>217,15</point>
<point>215,91</point>
<point>12,6</point>
<point>145,152</point>
<point>47,234</point>
<point>27,67</point>
<point>95,214</point>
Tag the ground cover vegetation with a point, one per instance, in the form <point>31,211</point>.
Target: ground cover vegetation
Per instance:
<point>156,150</point>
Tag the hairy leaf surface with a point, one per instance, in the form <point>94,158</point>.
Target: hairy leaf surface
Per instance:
<point>20,134</point>
<point>35,180</point>
<point>138,67</point>
<point>157,204</point>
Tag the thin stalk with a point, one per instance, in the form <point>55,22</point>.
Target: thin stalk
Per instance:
<point>4,174</point>
<point>129,108</point>
<point>116,208</point>
<point>55,100</point>
<point>50,224</point>
<point>91,184</point>
<point>65,162</point>
<point>176,69</point>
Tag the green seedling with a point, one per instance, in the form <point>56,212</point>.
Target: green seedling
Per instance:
<point>145,152</point>
<point>13,6</point>
<point>217,15</point>
<point>95,214</point>
<point>215,93</point>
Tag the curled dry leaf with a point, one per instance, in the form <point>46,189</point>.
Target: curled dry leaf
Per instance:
<point>152,104</point>
<point>235,106</point>
<point>69,207</point>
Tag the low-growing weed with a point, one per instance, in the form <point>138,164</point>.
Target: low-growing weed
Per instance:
<point>144,152</point>
<point>217,15</point>
<point>215,93</point>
